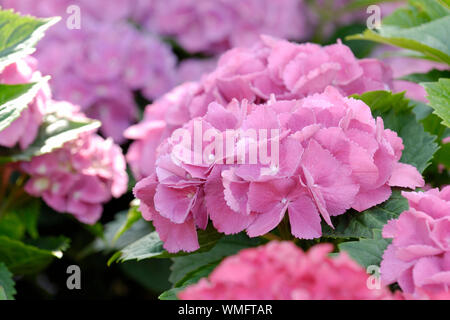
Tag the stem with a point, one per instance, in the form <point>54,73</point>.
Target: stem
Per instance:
<point>285,230</point>
<point>271,237</point>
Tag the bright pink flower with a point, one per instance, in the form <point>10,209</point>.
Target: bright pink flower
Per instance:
<point>324,155</point>
<point>79,177</point>
<point>271,67</point>
<point>419,256</point>
<point>24,129</point>
<point>282,271</point>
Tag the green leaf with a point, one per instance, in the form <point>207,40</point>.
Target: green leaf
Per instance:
<point>430,76</point>
<point>151,246</point>
<point>367,252</point>
<point>11,226</point>
<point>14,98</point>
<point>152,274</point>
<point>19,35</point>
<point>7,285</point>
<point>191,278</point>
<point>22,258</point>
<point>443,155</point>
<point>54,132</point>
<point>439,97</point>
<point>28,213</point>
<point>366,224</point>
<point>133,216</point>
<point>397,114</point>
<point>422,27</point>
<point>226,246</point>
<point>108,243</point>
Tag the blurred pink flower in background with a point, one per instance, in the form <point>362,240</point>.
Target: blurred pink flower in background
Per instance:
<point>419,256</point>
<point>24,129</point>
<point>100,65</point>
<point>282,271</point>
<point>215,26</point>
<point>79,177</point>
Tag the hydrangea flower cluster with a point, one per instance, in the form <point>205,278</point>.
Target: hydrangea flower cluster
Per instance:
<point>419,256</point>
<point>216,26</point>
<point>327,155</point>
<point>24,129</point>
<point>282,271</point>
<point>102,64</point>
<point>271,67</point>
<point>79,177</point>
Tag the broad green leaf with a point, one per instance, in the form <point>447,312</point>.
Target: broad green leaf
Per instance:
<point>191,278</point>
<point>22,258</point>
<point>11,226</point>
<point>397,114</point>
<point>133,216</point>
<point>19,35</point>
<point>430,76</point>
<point>7,285</point>
<point>366,224</point>
<point>138,230</point>
<point>54,132</point>
<point>28,213</point>
<point>422,27</point>
<point>226,246</point>
<point>152,274</point>
<point>439,97</point>
<point>151,246</point>
<point>367,252</point>
<point>443,155</point>
<point>54,244</point>
<point>14,98</point>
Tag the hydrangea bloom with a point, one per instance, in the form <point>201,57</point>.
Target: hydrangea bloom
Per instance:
<point>282,271</point>
<point>286,70</point>
<point>79,177</point>
<point>327,154</point>
<point>24,129</point>
<point>100,65</point>
<point>215,26</point>
<point>419,256</point>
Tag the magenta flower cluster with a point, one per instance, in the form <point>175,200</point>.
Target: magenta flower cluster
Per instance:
<point>282,271</point>
<point>419,256</point>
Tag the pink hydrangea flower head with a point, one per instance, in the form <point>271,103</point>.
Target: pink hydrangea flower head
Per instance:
<point>324,154</point>
<point>419,256</point>
<point>79,177</point>
<point>24,129</point>
<point>282,271</point>
<point>272,67</point>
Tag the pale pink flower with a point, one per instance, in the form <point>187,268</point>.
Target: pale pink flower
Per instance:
<point>419,256</point>
<point>79,177</point>
<point>282,271</point>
